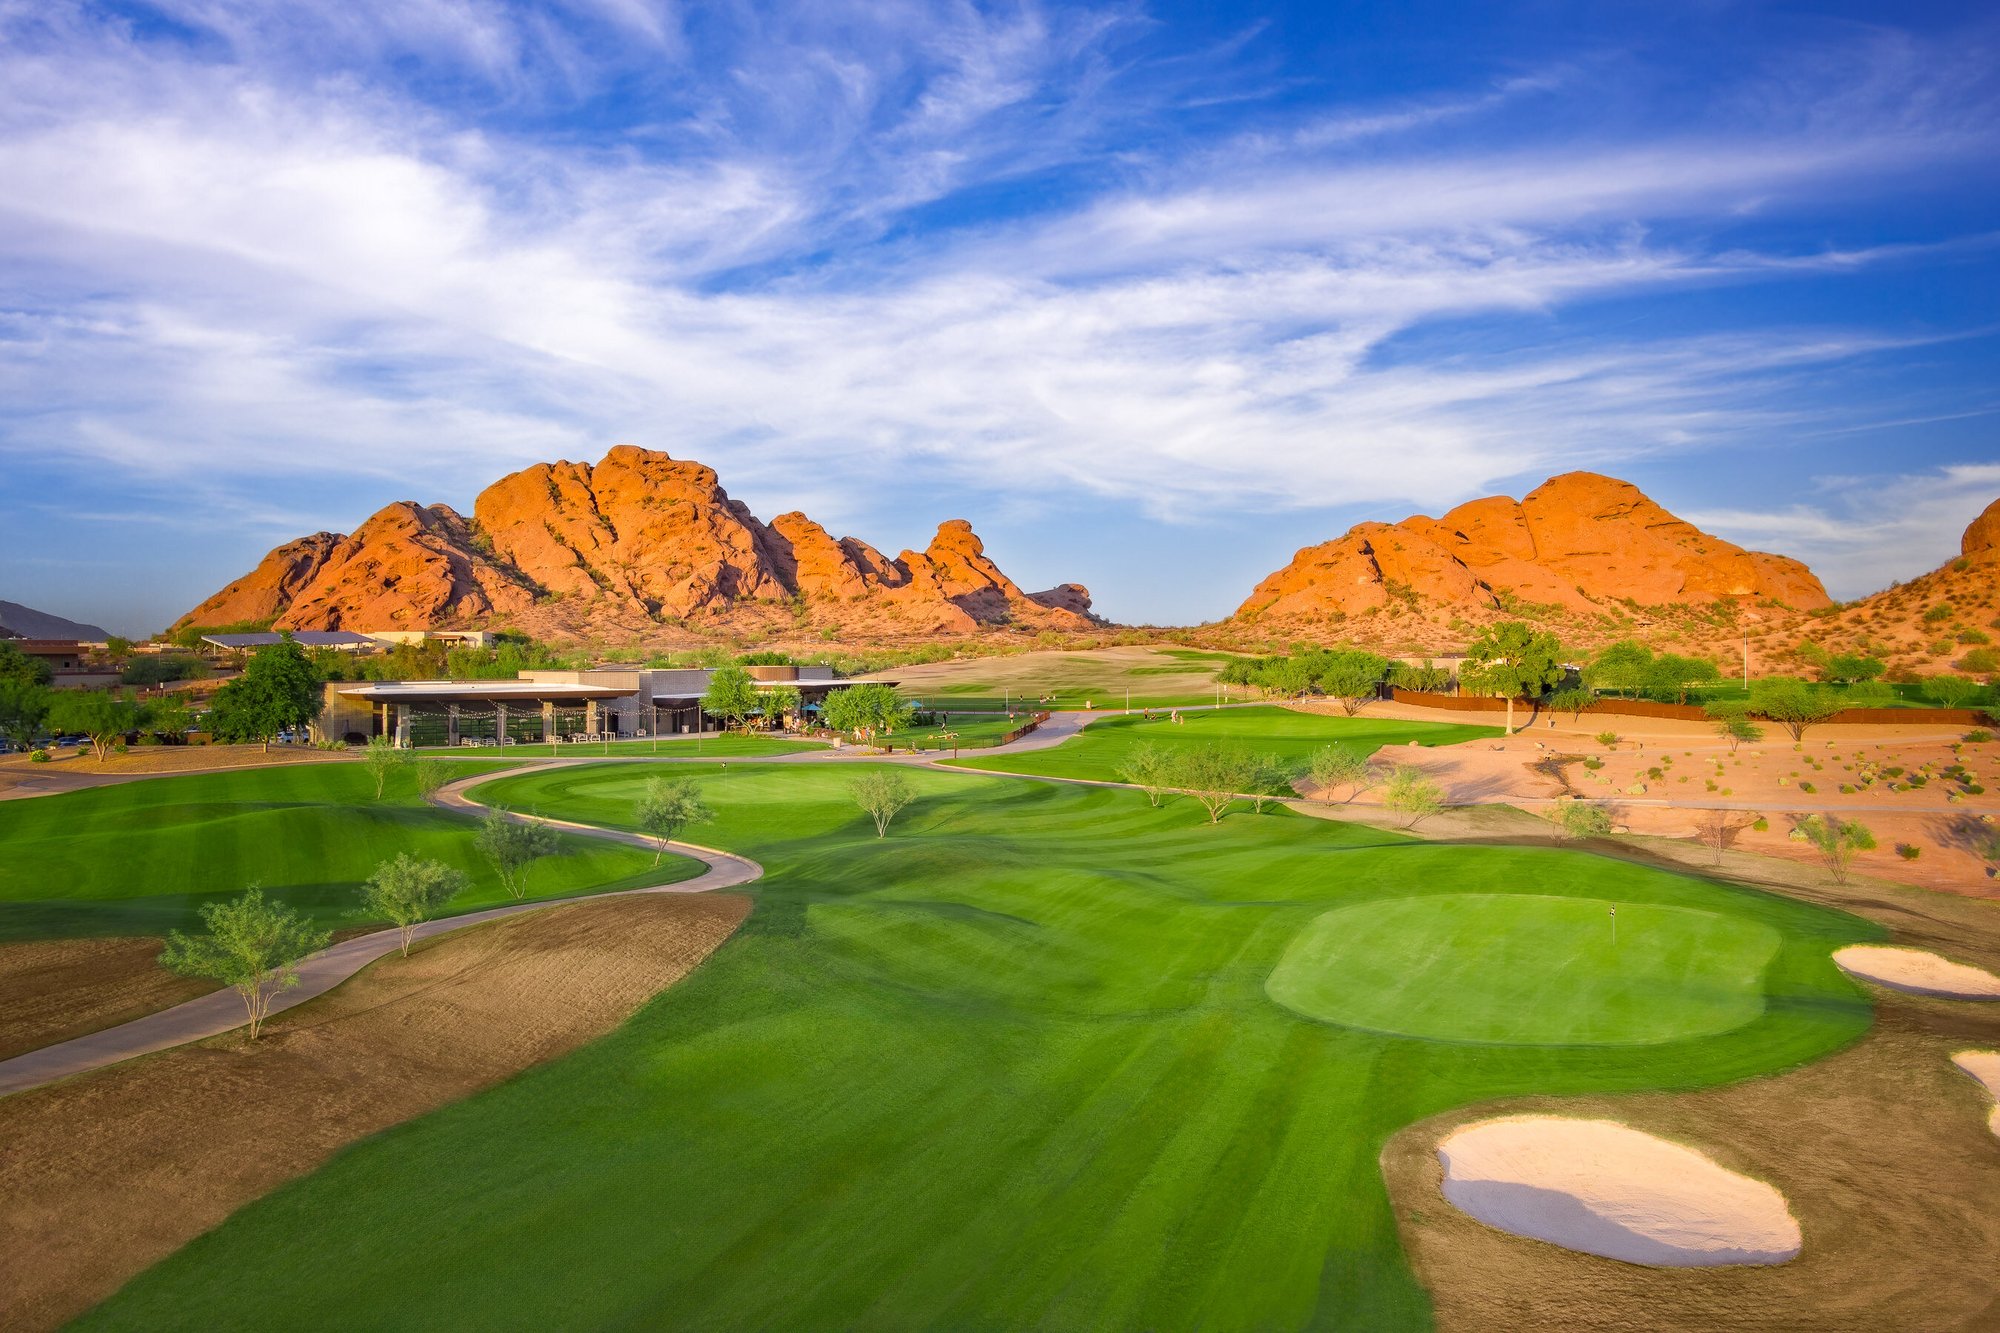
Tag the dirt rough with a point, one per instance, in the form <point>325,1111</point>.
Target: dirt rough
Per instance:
<point>638,540</point>
<point>103,1175</point>
<point>52,990</point>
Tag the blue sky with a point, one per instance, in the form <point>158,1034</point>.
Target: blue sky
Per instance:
<point>1154,294</point>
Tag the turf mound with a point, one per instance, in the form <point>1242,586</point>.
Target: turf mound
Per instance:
<point>1608,1189</point>
<point>1918,973</point>
<point>1526,969</point>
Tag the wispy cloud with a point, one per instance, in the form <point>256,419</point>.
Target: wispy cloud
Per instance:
<point>244,244</point>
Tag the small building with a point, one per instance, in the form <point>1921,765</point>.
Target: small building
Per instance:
<point>460,638</point>
<point>549,706</point>
<point>60,654</point>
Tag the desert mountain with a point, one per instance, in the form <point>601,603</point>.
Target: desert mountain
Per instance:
<point>637,541</point>
<point>24,622</point>
<point>1574,543</point>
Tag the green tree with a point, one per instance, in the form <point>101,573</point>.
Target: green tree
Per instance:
<point>1854,668</point>
<point>1579,819</point>
<point>104,718</point>
<point>1793,703</point>
<point>780,702</point>
<point>252,946</point>
<point>1429,678</point>
<point>17,665</point>
<point>1148,767</point>
<point>278,690</point>
<point>1515,661</point>
<point>866,711</point>
<point>383,756</point>
<point>1620,667</point>
<point>1837,840</point>
<point>407,891</point>
<point>1670,676</point>
<point>1732,723</point>
<point>731,695</point>
<point>1949,691</point>
<point>882,793</point>
<point>169,719</point>
<point>24,709</point>
<point>667,806</point>
<point>1332,767</point>
<point>1286,677</point>
<point>1215,775</point>
<point>432,775</point>
<point>1351,678</point>
<point>1412,794</point>
<point>513,846</point>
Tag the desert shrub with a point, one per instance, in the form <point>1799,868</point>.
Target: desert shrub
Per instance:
<point>1608,739</point>
<point>1909,851</point>
<point>1942,611</point>
<point>1980,662</point>
<point>1978,736</point>
<point>1761,824</point>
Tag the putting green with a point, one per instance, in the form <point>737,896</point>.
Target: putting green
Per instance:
<point>1527,970</point>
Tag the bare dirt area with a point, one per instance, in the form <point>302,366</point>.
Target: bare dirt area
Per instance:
<point>70,769</point>
<point>1881,1151</point>
<point>102,1175</point>
<point>52,990</point>
<point>1660,777</point>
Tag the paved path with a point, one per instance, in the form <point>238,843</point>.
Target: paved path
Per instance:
<point>222,1011</point>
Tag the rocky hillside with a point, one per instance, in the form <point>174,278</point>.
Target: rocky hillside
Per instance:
<point>638,542</point>
<point>1595,559</point>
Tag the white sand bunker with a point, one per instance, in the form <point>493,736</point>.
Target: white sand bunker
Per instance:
<point>1984,1066</point>
<point>1605,1188</point>
<point>1917,972</point>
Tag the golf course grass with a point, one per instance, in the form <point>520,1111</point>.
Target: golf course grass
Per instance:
<point>1102,749</point>
<point>140,858</point>
<point>1523,968</point>
<point>1012,1066</point>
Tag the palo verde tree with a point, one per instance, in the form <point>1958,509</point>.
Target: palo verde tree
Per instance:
<point>731,695</point>
<point>383,756</point>
<point>1620,667</point>
<point>1732,722</point>
<point>432,774</point>
<point>252,945</point>
<point>1351,678</point>
<point>104,718</point>
<point>1792,703</point>
<point>1149,767</point>
<point>1515,661</point>
<point>882,793</point>
<point>1214,775</point>
<point>407,891</point>
<point>279,690</point>
<point>866,711</point>
<point>667,806</point>
<point>513,846</point>
<point>1949,691</point>
<point>780,702</point>
<point>1579,819</point>
<point>1412,794</point>
<point>1838,841</point>
<point>1718,829</point>
<point>1332,767</point>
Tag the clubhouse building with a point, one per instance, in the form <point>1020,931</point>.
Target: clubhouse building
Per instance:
<point>546,706</point>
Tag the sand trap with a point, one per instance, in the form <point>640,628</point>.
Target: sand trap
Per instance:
<point>1917,972</point>
<point>1985,1067</point>
<point>1607,1189</point>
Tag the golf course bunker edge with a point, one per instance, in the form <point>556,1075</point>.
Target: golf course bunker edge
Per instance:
<point>1526,969</point>
<point>1607,1189</point>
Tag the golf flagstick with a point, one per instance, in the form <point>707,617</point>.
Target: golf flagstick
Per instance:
<point>1614,926</point>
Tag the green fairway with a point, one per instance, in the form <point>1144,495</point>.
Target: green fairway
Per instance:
<point>666,747</point>
<point>1013,1066</point>
<point>1102,749</point>
<point>973,731</point>
<point>1529,969</point>
<point>139,858</point>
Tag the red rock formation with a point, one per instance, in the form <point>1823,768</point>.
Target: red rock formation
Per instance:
<point>1576,540</point>
<point>638,538</point>
<point>1982,535</point>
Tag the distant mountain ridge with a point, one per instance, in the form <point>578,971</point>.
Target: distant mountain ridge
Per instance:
<point>24,622</point>
<point>634,542</point>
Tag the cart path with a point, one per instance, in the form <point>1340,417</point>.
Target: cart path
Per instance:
<point>221,1011</point>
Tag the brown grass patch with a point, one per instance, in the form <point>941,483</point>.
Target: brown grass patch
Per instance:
<point>52,990</point>
<point>105,1174</point>
<point>1882,1152</point>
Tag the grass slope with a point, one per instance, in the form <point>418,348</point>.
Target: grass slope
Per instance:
<point>139,858</point>
<point>1101,749</point>
<point>1013,1066</point>
<point>690,747</point>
